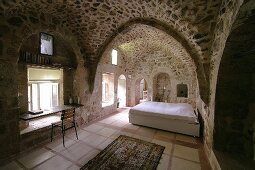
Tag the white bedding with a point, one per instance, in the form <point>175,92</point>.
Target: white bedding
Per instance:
<point>175,111</point>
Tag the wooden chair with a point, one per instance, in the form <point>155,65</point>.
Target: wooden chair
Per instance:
<point>67,122</point>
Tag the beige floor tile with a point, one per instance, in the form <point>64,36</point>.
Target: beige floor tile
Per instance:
<point>114,136</point>
<point>76,151</point>
<point>131,126</point>
<point>118,133</point>
<point>167,145</point>
<point>94,140</point>
<point>73,167</point>
<point>186,153</point>
<point>88,157</point>
<point>186,138</point>
<point>83,135</point>
<point>54,163</point>
<point>108,120</point>
<point>71,133</point>
<point>165,134</point>
<point>164,162</point>
<point>11,166</point>
<point>90,143</point>
<point>147,132</point>
<point>181,164</point>
<point>125,120</point>
<point>122,115</point>
<point>36,157</point>
<point>119,124</point>
<point>142,138</point>
<point>57,144</point>
<point>105,143</point>
<point>106,132</point>
<point>125,133</point>
<point>116,117</point>
<point>93,128</point>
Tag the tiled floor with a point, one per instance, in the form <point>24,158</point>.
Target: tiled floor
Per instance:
<point>181,153</point>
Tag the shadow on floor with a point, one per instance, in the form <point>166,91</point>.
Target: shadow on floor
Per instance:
<point>233,162</point>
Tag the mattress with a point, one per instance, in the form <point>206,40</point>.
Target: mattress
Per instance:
<point>174,111</point>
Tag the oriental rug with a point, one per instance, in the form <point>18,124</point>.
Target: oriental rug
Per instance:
<point>127,153</point>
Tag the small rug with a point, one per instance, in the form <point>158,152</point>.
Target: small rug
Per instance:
<point>127,153</point>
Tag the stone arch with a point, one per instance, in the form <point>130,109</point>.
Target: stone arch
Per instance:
<point>163,70</point>
<point>61,48</point>
<point>16,35</point>
<point>122,90</point>
<point>196,57</point>
<point>10,43</point>
<point>137,90</point>
<point>161,87</point>
<point>234,99</point>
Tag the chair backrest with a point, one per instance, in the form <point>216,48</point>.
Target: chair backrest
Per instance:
<point>66,114</point>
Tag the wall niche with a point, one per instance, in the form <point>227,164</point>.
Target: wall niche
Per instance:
<point>63,57</point>
<point>161,87</point>
<point>182,90</point>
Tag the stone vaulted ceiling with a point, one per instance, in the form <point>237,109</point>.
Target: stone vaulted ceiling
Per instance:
<point>95,22</point>
<point>145,43</point>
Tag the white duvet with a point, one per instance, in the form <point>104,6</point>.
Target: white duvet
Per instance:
<point>178,111</point>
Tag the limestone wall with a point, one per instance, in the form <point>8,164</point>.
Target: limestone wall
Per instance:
<point>184,39</point>
<point>234,93</point>
<point>12,34</point>
<point>96,23</point>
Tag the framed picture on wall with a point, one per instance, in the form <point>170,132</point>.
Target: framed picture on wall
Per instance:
<point>46,44</point>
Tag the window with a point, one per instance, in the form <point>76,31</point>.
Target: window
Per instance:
<point>107,89</point>
<point>44,88</point>
<point>43,94</point>
<point>114,57</point>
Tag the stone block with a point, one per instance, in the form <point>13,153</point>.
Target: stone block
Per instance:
<point>3,129</point>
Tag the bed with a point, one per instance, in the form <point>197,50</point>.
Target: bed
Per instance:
<point>175,117</point>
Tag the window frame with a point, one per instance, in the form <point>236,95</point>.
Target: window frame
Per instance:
<point>30,102</point>
<point>110,93</point>
<point>113,57</point>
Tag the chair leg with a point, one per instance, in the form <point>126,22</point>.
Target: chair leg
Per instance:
<point>51,136</point>
<point>63,135</point>
<point>75,130</point>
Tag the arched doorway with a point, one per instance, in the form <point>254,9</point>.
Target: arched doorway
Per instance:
<point>234,120</point>
<point>161,87</point>
<point>122,91</point>
<point>141,91</point>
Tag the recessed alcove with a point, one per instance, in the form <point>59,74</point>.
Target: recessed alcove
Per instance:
<point>122,89</point>
<point>161,87</point>
<point>141,90</point>
<point>34,77</point>
<point>234,142</point>
<point>182,90</point>
<point>64,57</point>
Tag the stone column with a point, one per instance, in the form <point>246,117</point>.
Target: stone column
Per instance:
<point>9,110</point>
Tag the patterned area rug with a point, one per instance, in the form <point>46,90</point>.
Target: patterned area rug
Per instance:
<point>127,153</point>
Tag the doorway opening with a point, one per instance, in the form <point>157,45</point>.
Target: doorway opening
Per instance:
<point>161,87</point>
<point>121,100</point>
<point>141,91</point>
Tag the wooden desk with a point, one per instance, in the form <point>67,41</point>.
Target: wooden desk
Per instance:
<point>52,110</point>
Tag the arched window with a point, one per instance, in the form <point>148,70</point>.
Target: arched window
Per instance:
<point>114,57</point>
